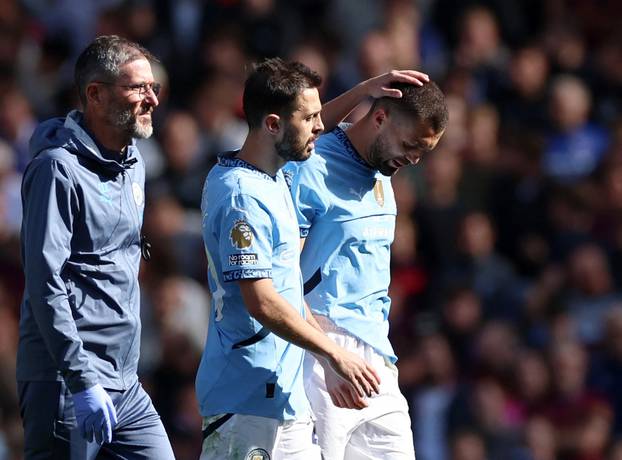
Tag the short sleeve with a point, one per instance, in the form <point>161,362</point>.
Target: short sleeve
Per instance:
<point>307,193</point>
<point>245,243</point>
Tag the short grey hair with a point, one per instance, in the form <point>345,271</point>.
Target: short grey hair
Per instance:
<point>103,58</point>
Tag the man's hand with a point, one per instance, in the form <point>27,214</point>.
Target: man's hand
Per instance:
<point>335,111</point>
<point>341,393</point>
<point>379,86</point>
<point>95,414</point>
<point>349,379</point>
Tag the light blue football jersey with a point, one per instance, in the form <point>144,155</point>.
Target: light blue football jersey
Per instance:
<point>346,211</point>
<point>249,231</point>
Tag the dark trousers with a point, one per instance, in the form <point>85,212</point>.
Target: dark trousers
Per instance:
<point>50,430</point>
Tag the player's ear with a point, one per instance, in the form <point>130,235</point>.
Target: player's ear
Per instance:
<point>272,123</point>
<point>379,117</point>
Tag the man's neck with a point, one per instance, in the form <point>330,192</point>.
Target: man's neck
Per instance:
<point>260,153</point>
<point>106,136</point>
<point>360,138</point>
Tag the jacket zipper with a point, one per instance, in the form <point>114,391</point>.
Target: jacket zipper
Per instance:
<point>130,264</point>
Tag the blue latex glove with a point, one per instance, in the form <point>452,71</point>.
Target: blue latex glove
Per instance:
<point>95,414</point>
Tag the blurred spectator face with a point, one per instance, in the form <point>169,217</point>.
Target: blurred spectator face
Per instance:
<point>468,446</point>
<point>376,54</point>
<point>612,183</point>
<point>479,37</point>
<point>463,311</point>
<point>477,237</point>
<point>593,434</point>
<point>15,114</point>
<point>258,7</point>
<point>483,132</point>
<point>457,134</point>
<point>180,140</point>
<point>315,59</point>
<point>569,365</point>
<point>443,170</point>
<point>437,358</point>
<point>402,22</point>
<point>225,54</point>
<point>570,103</point>
<point>613,332</point>
<point>532,377</point>
<point>496,347</point>
<point>141,22</point>
<point>529,70</point>
<point>164,217</point>
<point>8,328</point>
<point>609,61</point>
<point>616,451</point>
<point>490,405</point>
<point>216,103</point>
<point>404,247</point>
<point>567,48</point>
<point>589,270</point>
<point>405,192</point>
<point>540,439</point>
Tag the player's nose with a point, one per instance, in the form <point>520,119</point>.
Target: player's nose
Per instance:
<point>319,126</point>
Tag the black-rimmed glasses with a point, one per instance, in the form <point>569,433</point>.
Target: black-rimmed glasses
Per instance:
<point>142,89</point>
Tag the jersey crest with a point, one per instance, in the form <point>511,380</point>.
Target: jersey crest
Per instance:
<point>258,454</point>
<point>379,192</point>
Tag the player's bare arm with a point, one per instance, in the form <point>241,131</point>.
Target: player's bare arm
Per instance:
<point>334,111</point>
<point>271,310</point>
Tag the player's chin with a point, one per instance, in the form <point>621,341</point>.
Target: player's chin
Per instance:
<point>386,170</point>
<point>305,154</point>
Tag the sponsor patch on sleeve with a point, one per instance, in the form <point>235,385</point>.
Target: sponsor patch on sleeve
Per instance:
<point>243,259</point>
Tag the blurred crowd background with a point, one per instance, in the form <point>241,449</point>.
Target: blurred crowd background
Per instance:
<point>507,262</point>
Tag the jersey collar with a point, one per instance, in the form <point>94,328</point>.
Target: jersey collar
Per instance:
<point>343,138</point>
<point>229,160</point>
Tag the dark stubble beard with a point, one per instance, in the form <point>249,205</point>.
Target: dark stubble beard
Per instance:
<point>378,153</point>
<point>290,148</point>
<point>123,117</point>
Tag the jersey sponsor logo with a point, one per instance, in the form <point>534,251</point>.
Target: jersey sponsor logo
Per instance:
<point>377,233</point>
<point>379,192</point>
<point>243,259</point>
<point>258,454</point>
<point>246,273</point>
<point>241,234</point>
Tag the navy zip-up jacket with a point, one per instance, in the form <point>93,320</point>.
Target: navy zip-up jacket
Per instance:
<point>80,242</point>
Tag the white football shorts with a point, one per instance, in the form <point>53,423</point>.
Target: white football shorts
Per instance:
<point>379,431</point>
<point>248,437</point>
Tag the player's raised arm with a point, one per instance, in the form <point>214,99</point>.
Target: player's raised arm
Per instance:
<point>334,111</point>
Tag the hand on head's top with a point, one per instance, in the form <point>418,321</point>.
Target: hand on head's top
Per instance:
<point>379,86</point>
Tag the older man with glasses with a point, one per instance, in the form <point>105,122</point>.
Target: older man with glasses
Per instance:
<point>83,201</point>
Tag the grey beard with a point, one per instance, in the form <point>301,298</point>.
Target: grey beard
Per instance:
<point>128,122</point>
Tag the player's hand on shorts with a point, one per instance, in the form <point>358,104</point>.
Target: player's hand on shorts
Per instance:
<point>361,378</point>
<point>341,393</point>
<point>380,86</point>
